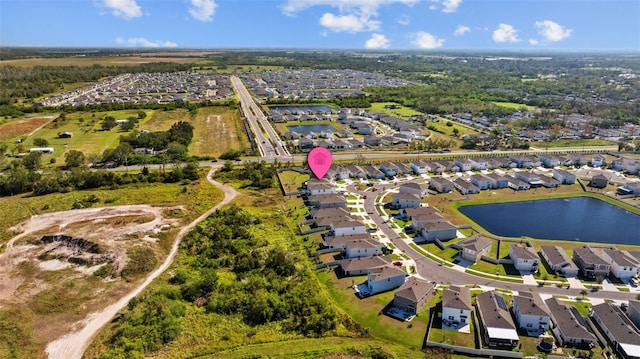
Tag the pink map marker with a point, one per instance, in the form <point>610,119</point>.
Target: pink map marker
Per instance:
<point>319,160</point>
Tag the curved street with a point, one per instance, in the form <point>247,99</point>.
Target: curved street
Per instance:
<point>433,271</point>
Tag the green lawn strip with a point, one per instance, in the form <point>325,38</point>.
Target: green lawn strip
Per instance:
<point>514,106</point>
<point>503,270</point>
<point>582,305</point>
<point>484,275</point>
<point>367,312</point>
<point>430,256</point>
<point>314,348</point>
<point>398,110</point>
<point>588,142</point>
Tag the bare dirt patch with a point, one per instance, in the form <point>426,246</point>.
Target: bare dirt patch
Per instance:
<point>50,267</point>
<point>22,127</point>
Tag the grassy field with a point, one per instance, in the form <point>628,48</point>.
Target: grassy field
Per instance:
<point>88,136</point>
<point>217,129</point>
<point>291,180</point>
<point>12,130</point>
<point>588,142</point>
<point>400,111</point>
<point>514,106</point>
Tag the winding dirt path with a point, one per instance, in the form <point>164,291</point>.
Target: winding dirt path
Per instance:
<point>74,344</point>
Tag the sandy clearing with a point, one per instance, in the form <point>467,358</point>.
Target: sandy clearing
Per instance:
<point>73,345</point>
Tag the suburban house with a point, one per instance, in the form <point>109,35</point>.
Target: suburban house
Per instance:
<point>389,169</point>
<point>413,294</point>
<point>339,242</point>
<point>360,266</point>
<point>373,172</point>
<point>42,149</point>
<point>456,305</point>
<point>481,181</point>
<point>419,167</point>
<point>531,313</point>
<point>629,189</point>
<point>415,212</point>
<point>525,161</point>
<point>362,248</point>
<point>347,228</point>
<point>524,258</point>
<point>497,181</point>
<point>327,201</point>
<point>529,177</point>
<point>564,176</point>
<point>473,247</point>
<point>559,261</point>
<point>441,185</point>
<point>623,265</point>
<point>618,328</point>
<point>517,184</point>
<point>497,327</point>
<point>598,160</point>
<point>442,231</point>
<point>414,188</point>
<point>634,311</point>
<point>316,187</point>
<point>383,278</point>
<point>549,182</point>
<point>420,221</point>
<point>599,181</point>
<point>405,200</point>
<point>465,187</point>
<point>568,326</point>
<point>590,263</point>
<point>549,160</point>
<point>356,171</point>
<point>464,164</point>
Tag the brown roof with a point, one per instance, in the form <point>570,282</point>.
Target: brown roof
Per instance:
<point>523,252</point>
<point>618,324</point>
<point>622,258</point>
<point>568,320</point>
<point>589,256</point>
<point>339,241</point>
<point>476,243</point>
<point>415,289</point>
<point>457,298</point>
<point>384,272</point>
<point>494,315</point>
<point>531,304</point>
<point>363,263</point>
<point>414,212</point>
<point>555,255</point>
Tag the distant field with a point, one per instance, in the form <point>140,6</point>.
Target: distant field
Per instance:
<point>90,61</point>
<point>87,134</point>
<point>217,129</point>
<point>402,111</point>
<point>514,106</point>
<point>15,129</point>
<point>573,143</point>
<point>233,68</point>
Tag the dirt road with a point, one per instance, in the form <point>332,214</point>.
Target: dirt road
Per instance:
<point>74,344</point>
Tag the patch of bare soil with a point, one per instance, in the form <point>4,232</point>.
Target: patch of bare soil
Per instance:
<point>64,250</point>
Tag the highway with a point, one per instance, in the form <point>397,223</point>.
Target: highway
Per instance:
<point>269,144</point>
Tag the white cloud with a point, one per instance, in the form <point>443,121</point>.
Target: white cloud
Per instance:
<point>461,30</point>
<point>142,42</point>
<point>425,40</point>
<point>202,10</point>
<point>450,6</point>
<point>533,42</point>
<point>377,41</point>
<point>505,33</point>
<point>553,31</point>
<point>127,9</point>
<point>349,23</point>
<point>404,20</point>
<point>353,15</point>
<point>366,6</point>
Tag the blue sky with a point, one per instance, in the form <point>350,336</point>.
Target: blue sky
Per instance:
<point>336,24</point>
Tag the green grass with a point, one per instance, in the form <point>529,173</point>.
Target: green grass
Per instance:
<point>504,270</point>
<point>589,142</point>
<point>582,306</point>
<point>217,129</point>
<point>401,111</point>
<point>292,180</point>
<point>367,311</point>
<point>514,106</point>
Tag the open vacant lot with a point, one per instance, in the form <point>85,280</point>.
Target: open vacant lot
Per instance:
<point>217,129</point>
<point>15,129</point>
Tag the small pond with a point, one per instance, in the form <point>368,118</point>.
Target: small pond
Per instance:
<point>312,128</point>
<point>581,218</point>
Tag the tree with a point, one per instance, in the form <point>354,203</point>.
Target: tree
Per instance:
<point>456,132</point>
<point>141,115</point>
<point>108,122</point>
<point>177,151</point>
<point>131,123</point>
<point>74,159</point>
<point>33,161</point>
<point>40,142</point>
